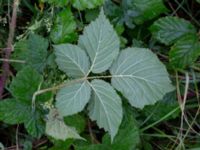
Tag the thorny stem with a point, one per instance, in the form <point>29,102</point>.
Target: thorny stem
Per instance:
<point>5,66</point>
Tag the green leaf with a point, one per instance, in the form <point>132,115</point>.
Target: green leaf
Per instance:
<point>20,53</point>
<point>147,9</point>
<point>72,99</point>
<point>168,30</point>
<point>140,77</point>
<point>13,112</point>
<point>25,84</point>
<point>34,124</point>
<point>133,12</point>
<point>77,121</point>
<point>72,60</point>
<point>61,145</point>
<point>85,4</point>
<point>128,136</point>
<point>101,42</point>
<point>198,1</point>
<point>56,128</point>
<point>185,52</point>
<point>37,52</point>
<point>64,27</point>
<point>105,107</point>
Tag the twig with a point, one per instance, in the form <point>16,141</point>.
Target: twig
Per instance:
<point>5,66</point>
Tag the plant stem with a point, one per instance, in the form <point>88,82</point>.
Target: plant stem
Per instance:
<point>5,66</point>
<point>39,92</point>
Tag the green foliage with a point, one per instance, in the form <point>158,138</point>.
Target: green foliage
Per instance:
<point>128,136</point>
<point>56,127</point>
<point>185,51</point>
<point>101,43</point>
<point>132,12</point>
<point>85,4</point>
<point>140,77</point>
<point>72,99</point>
<point>87,80</point>
<point>105,107</point>
<point>72,60</point>
<point>140,86</point>
<point>25,84</point>
<point>168,30</point>
<point>63,27</point>
<point>37,52</point>
<point>13,111</point>
<point>32,51</point>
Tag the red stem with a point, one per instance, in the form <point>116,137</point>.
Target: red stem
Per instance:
<point>8,50</point>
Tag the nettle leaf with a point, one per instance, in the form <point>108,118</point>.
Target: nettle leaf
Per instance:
<point>64,27</point>
<point>56,127</point>
<point>147,9</point>
<point>140,77</point>
<point>37,52</point>
<point>34,124</point>
<point>13,111</point>
<point>20,53</point>
<point>85,4</point>
<point>168,30</point>
<point>101,43</point>
<point>72,60</point>
<point>185,51</point>
<point>72,99</point>
<point>105,107</point>
<point>25,84</point>
<point>133,12</point>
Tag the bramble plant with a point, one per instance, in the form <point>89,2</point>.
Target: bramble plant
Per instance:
<point>93,74</point>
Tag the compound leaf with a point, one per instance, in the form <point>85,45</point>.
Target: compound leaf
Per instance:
<point>185,51</point>
<point>105,107</point>
<point>168,30</point>
<point>101,42</point>
<point>72,60</point>
<point>140,77</point>
<point>72,99</point>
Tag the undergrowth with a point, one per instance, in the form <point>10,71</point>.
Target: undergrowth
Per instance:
<point>99,74</point>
